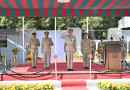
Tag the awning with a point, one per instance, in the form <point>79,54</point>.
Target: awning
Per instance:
<point>52,8</point>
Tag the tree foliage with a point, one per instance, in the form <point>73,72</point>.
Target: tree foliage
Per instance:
<point>48,23</point>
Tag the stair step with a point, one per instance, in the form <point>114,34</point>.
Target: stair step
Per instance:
<point>73,83</point>
<point>75,88</point>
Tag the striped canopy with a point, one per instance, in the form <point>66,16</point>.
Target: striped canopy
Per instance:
<point>52,8</point>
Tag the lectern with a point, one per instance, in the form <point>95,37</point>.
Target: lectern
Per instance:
<point>112,56</point>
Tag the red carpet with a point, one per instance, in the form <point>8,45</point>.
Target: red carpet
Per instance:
<point>78,73</point>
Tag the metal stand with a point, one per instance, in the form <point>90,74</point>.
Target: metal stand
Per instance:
<point>125,65</point>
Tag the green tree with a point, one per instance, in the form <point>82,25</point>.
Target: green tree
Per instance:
<point>48,23</point>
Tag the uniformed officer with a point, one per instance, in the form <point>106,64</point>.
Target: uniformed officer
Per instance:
<point>34,44</point>
<point>123,48</point>
<point>100,46</point>
<point>93,48</point>
<point>70,47</point>
<point>111,38</point>
<point>46,49</point>
<point>85,50</point>
<point>27,48</point>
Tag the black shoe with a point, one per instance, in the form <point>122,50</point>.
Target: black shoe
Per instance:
<point>86,68</point>
<point>34,67</point>
<point>68,69</point>
<point>102,62</point>
<point>71,70</point>
<point>47,68</point>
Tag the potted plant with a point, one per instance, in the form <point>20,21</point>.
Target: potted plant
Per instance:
<point>81,57</point>
<point>76,56</point>
<point>105,85</point>
<point>15,51</point>
<point>29,59</point>
<point>108,86</point>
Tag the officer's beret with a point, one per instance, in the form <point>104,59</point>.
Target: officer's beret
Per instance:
<point>85,33</point>
<point>46,32</point>
<point>33,33</point>
<point>70,30</point>
<point>111,38</point>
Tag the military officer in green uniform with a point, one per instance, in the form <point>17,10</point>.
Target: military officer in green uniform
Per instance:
<point>93,48</point>
<point>70,47</point>
<point>100,46</point>
<point>85,50</point>
<point>46,49</point>
<point>34,44</point>
<point>123,48</point>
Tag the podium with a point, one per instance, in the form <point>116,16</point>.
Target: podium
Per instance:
<point>112,56</point>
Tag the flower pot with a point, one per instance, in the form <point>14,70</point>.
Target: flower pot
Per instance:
<point>14,53</point>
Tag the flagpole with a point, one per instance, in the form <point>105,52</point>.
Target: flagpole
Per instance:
<point>55,51</point>
<point>23,38</point>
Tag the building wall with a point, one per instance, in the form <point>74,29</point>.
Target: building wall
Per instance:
<point>116,33</point>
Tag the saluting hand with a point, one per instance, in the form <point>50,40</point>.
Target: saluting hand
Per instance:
<point>66,31</point>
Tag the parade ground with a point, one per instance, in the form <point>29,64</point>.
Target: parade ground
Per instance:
<point>26,72</point>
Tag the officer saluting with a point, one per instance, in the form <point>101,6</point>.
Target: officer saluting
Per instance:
<point>123,48</point>
<point>85,50</point>
<point>70,47</point>
<point>46,49</point>
<point>34,43</point>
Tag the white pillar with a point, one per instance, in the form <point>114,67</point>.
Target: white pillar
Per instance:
<point>23,38</point>
<point>55,51</point>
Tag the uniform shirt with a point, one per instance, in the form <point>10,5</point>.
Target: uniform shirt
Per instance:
<point>124,45</point>
<point>34,43</point>
<point>85,44</point>
<point>46,42</point>
<point>100,45</point>
<point>93,45</point>
<point>68,41</point>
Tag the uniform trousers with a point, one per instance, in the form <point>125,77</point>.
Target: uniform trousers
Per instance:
<point>69,59</point>
<point>34,59</point>
<point>46,56</point>
<point>86,59</point>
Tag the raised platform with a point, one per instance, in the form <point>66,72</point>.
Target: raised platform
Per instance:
<point>28,73</point>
